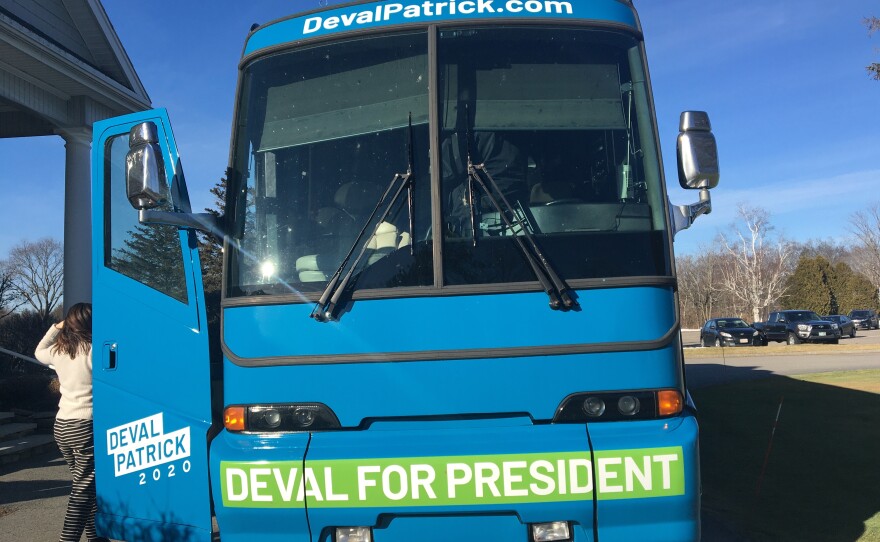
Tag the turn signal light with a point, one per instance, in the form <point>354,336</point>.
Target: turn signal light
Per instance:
<point>669,402</point>
<point>233,418</point>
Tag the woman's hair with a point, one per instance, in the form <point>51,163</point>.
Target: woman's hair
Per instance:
<point>76,335</point>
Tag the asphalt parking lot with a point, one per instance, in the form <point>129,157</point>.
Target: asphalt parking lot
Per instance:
<point>691,339</point>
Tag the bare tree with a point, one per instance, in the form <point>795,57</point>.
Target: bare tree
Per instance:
<point>866,255</point>
<point>8,300</point>
<point>698,294</point>
<point>758,263</point>
<point>873,24</point>
<point>38,275</point>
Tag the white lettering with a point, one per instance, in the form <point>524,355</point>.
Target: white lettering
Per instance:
<point>560,473</point>
<point>605,476</point>
<point>466,475</point>
<point>664,461</point>
<point>363,482</point>
<point>553,6</point>
<point>285,488</point>
<point>257,485</point>
<point>510,478</point>
<point>348,19</point>
<point>312,24</point>
<point>391,9</point>
<point>587,466</point>
<point>402,482</point>
<point>429,8</point>
<point>534,6</point>
<point>423,482</point>
<point>632,472</point>
<point>487,474</point>
<point>549,484</point>
<point>231,475</point>
<point>312,488</point>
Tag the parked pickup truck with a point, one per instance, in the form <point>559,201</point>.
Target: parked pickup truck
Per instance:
<point>796,326</point>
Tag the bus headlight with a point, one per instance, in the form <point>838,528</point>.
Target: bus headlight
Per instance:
<point>627,405</point>
<point>594,407</point>
<point>280,418</point>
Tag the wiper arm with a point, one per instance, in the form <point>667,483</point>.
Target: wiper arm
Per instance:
<point>325,308</point>
<point>557,290</point>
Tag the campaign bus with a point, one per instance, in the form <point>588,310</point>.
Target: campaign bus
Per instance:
<point>449,306</point>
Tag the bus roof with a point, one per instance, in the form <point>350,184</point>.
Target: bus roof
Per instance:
<point>337,17</point>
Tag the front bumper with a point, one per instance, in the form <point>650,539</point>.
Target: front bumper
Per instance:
<point>474,480</point>
<point>819,335</point>
<point>741,341</point>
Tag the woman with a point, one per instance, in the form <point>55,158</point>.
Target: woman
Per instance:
<point>67,348</point>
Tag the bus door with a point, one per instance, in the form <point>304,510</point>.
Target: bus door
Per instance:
<point>150,362</point>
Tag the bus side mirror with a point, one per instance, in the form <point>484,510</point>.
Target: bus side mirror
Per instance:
<point>697,152</point>
<point>146,185</point>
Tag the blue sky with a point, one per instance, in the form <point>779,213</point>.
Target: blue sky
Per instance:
<point>794,112</point>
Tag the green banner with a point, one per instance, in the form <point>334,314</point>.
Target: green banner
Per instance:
<point>454,480</point>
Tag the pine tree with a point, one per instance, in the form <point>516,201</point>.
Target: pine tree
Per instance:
<point>810,286</point>
<point>151,255</point>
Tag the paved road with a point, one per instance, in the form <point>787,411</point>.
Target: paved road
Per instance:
<point>33,493</point>
<point>709,371</point>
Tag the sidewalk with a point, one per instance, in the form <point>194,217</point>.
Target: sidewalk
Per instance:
<point>33,498</point>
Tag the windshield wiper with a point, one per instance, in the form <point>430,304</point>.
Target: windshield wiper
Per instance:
<point>557,290</point>
<point>325,308</point>
<point>561,296</point>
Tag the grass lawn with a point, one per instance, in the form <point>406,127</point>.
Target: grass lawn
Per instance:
<point>822,475</point>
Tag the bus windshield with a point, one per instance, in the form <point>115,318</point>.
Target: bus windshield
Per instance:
<point>558,118</point>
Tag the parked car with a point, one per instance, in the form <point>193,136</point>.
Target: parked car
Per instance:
<point>846,325</point>
<point>728,332</point>
<point>797,326</point>
<point>865,318</point>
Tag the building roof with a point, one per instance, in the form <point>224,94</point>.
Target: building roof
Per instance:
<point>62,65</point>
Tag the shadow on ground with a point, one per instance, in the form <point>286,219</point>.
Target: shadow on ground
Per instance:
<point>818,480</point>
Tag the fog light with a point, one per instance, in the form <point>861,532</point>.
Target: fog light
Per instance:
<point>354,534</point>
<point>547,532</point>
<point>594,407</point>
<point>628,405</point>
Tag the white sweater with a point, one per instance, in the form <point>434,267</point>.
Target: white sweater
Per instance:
<point>74,374</point>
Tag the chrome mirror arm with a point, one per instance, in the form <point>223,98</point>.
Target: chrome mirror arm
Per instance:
<point>683,216</point>
<point>205,222</point>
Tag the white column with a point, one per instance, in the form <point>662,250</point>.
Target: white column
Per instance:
<point>77,216</point>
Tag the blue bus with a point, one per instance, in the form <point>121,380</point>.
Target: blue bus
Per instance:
<point>449,306</point>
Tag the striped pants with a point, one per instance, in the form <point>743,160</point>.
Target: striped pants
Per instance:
<point>74,438</point>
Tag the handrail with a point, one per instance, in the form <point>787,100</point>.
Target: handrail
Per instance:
<point>19,356</point>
